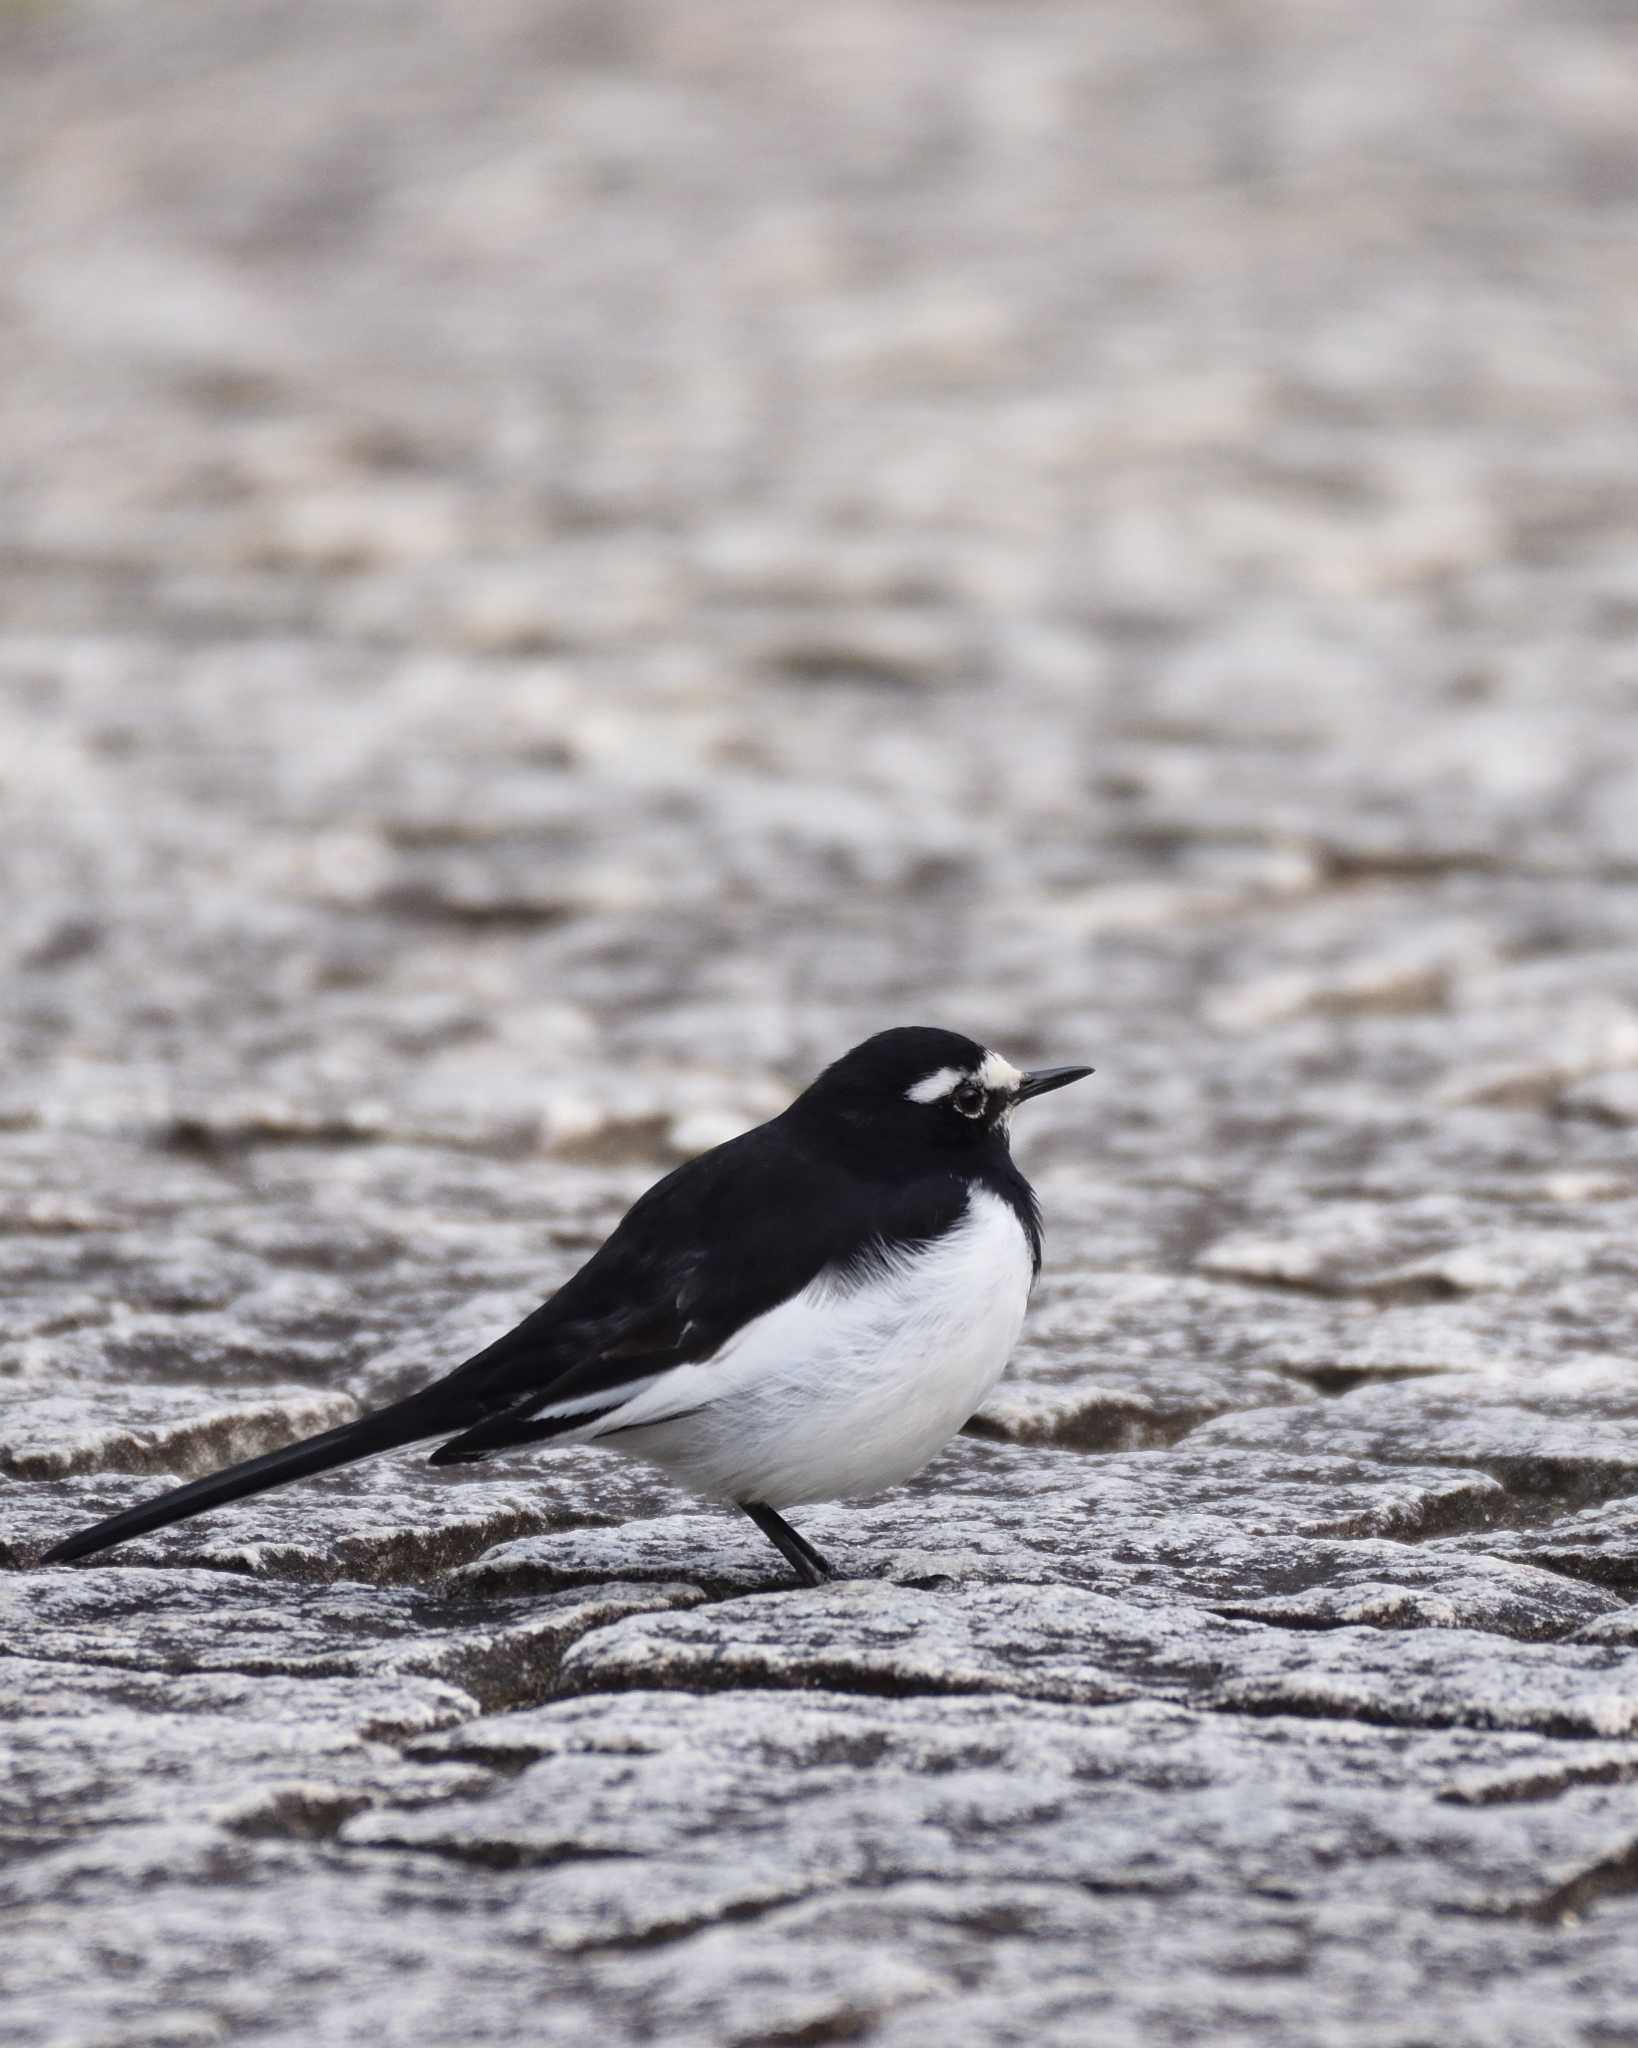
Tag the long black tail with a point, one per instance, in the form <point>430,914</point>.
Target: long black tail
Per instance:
<point>405,1422</point>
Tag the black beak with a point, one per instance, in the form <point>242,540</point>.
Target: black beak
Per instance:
<point>1045,1079</point>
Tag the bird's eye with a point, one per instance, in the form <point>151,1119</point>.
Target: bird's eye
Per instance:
<point>969,1099</point>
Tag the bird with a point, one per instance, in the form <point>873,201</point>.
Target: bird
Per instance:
<point>807,1312</point>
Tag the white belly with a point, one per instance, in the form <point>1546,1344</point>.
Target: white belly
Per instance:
<point>844,1390</point>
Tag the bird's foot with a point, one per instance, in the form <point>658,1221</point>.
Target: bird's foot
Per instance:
<point>811,1566</point>
<point>814,1571</point>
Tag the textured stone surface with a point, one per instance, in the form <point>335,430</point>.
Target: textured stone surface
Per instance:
<point>558,564</point>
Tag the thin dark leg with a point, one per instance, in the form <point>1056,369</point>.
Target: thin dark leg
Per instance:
<point>796,1550</point>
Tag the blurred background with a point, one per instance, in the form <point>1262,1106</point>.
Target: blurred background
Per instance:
<point>562,562</point>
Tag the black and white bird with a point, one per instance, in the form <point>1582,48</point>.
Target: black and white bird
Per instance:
<point>808,1312</point>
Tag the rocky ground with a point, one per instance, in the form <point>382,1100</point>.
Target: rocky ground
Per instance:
<point>559,564</point>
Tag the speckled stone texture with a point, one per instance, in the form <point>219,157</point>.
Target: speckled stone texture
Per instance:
<point>561,562</point>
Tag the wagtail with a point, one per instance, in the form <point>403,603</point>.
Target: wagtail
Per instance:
<point>808,1312</point>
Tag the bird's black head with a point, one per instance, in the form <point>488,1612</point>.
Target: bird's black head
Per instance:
<point>916,1088</point>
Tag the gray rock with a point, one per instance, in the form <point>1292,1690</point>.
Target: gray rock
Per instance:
<point>1562,1437</point>
<point>184,1622</point>
<point>1599,1545</point>
<point>174,1430</point>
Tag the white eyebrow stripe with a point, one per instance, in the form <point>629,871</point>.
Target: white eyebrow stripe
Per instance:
<point>998,1073</point>
<point>934,1085</point>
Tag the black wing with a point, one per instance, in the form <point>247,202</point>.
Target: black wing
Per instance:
<point>708,1249</point>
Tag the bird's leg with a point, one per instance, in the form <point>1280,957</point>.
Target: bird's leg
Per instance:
<point>796,1550</point>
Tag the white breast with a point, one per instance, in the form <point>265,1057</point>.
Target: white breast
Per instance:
<point>845,1388</point>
